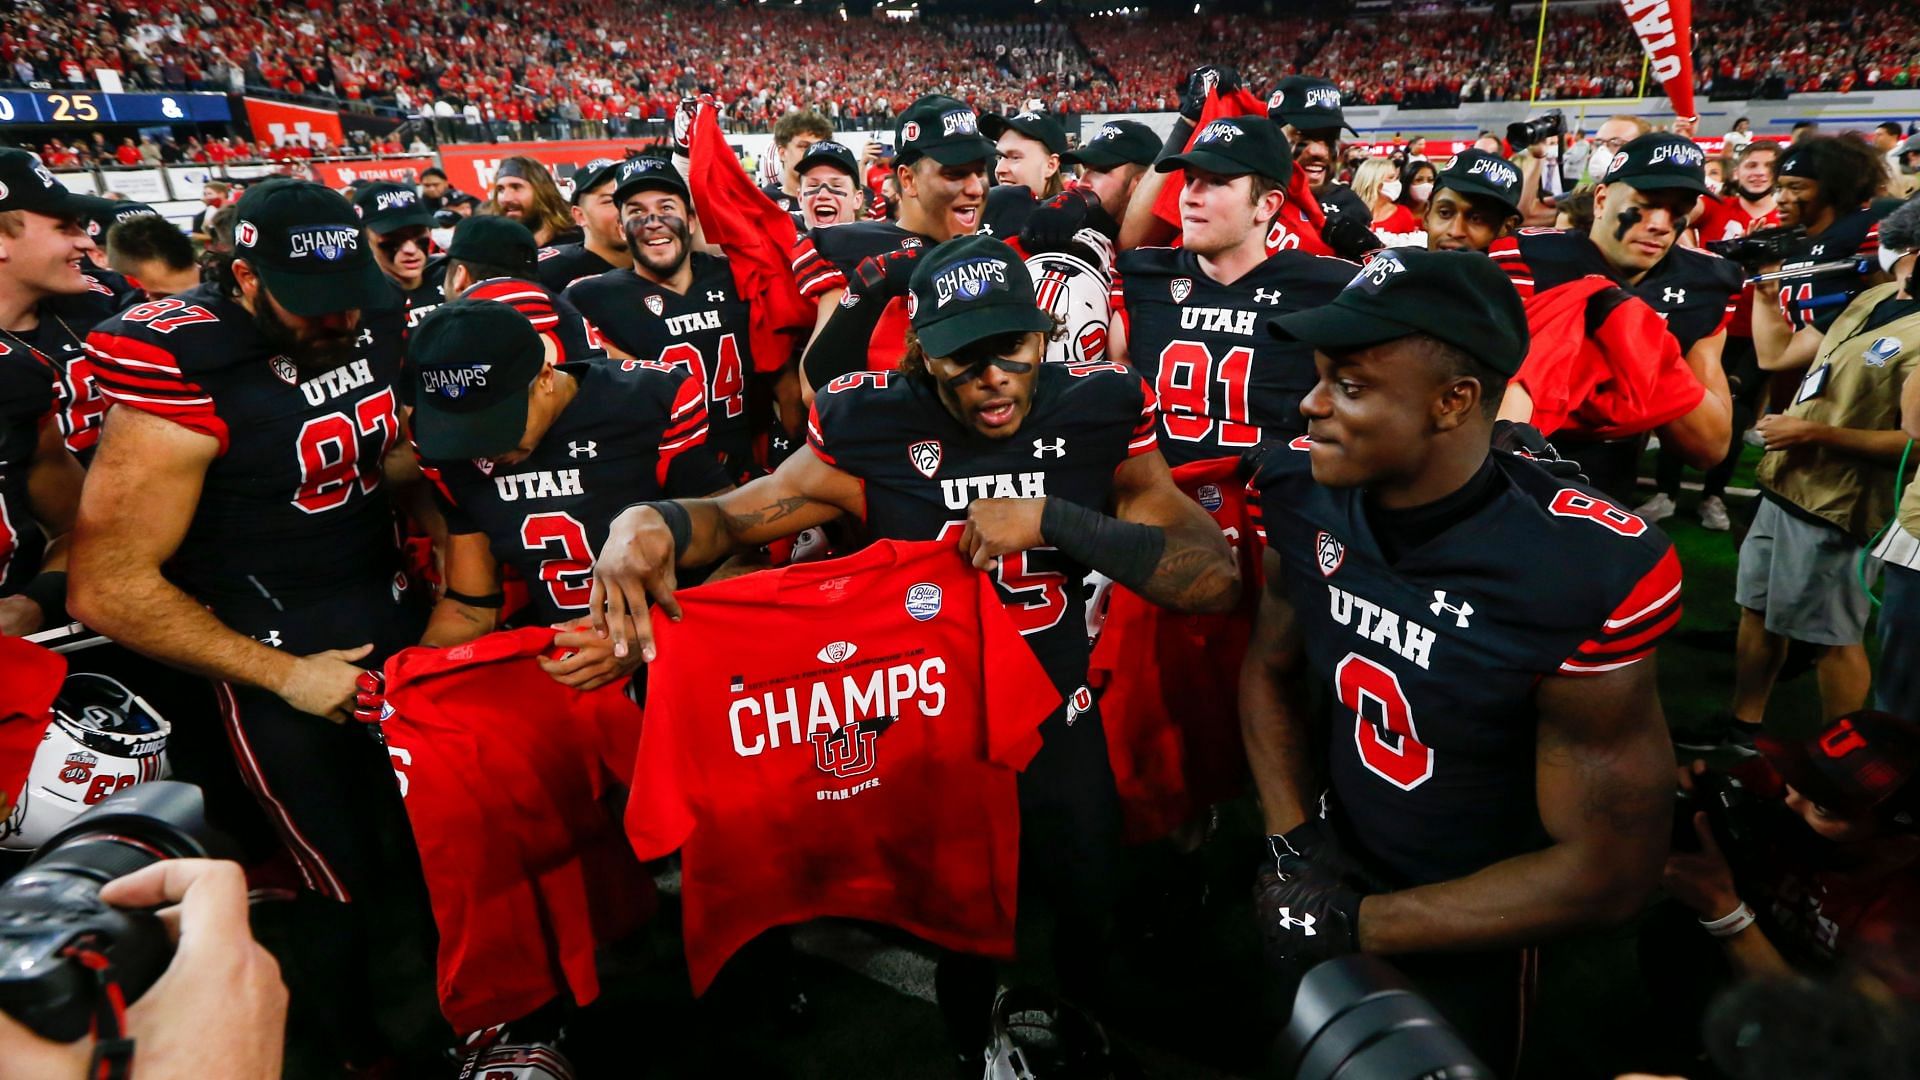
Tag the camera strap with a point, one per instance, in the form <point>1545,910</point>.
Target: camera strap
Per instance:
<point>112,1050</point>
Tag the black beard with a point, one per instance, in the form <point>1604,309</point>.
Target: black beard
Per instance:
<point>636,244</point>
<point>310,357</point>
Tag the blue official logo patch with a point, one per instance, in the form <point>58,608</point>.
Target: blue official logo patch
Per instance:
<point>1209,495</point>
<point>923,601</point>
<point>1883,350</point>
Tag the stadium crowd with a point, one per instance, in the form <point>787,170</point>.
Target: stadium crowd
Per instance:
<point>1020,545</point>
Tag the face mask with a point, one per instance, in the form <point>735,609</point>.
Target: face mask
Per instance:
<point>1597,163</point>
<point>1390,190</point>
<point>1889,256</point>
<point>1423,192</point>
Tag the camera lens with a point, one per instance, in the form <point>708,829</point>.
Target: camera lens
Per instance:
<point>1356,1018</point>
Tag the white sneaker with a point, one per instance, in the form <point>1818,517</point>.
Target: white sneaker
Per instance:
<point>1713,514</point>
<point>1658,508</point>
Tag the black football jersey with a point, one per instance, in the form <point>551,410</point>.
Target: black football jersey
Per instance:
<point>703,331</point>
<point>1818,299</point>
<point>922,469</point>
<point>1223,382</point>
<point>561,266</point>
<point>635,431</point>
<point>60,342</point>
<point>552,316</point>
<point>1008,207</point>
<point>1432,660</point>
<point>1694,291</point>
<point>431,292</point>
<point>789,203</point>
<point>26,402</point>
<point>294,505</point>
<point>845,245</point>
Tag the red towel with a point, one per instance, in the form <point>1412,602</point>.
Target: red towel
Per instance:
<point>1602,363</point>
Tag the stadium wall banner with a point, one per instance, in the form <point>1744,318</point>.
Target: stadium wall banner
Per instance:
<point>400,170</point>
<point>141,185</point>
<point>471,166</point>
<point>277,123</point>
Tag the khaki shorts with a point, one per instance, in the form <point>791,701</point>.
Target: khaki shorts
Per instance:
<point>1801,576</point>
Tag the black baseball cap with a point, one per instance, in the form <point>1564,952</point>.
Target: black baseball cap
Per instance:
<point>1236,146</point>
<point>25,184</point>
<point>1034,125</point>
<point>472,362</point>
<point>591,175</point>
<point>1659,161</point>
<point>1309,104</point>
<point>494,241</point>
<point>386,207</point>
<point>648,173</point>
<point>1863,761</point>
<point>971,288</point>
<point>303,240</point>
<point>1476,172</point>
<point>942,128</point>
<point>1460,297</point>
<point>99,215</point>
<point>1118,142</point>
<point>828,152</point>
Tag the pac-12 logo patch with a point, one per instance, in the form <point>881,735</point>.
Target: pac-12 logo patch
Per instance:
<point>285,371</point>
<point>79,767</point>
<point>1330,553</point>
<point>1180,288</point>
<point>836,651</point>
<point>656,305</point>
<point>925,457</point>
<point>923,601</point>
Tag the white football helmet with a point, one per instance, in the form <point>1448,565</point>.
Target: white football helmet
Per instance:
<point>103,737</point>
<point>518,1061</point>
<point>1073,286</point>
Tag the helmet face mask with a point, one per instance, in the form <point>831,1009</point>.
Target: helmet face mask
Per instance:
<point>102,737</point>
<point>1038,1037</point>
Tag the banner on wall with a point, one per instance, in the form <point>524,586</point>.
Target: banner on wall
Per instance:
<point>276,123</point>
<point>399,170</point>
<point>471,166</point>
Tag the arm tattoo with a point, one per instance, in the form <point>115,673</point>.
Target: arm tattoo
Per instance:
<point>1192,575</point>
<point>768,514</point>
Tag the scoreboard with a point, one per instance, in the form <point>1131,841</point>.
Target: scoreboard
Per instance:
<point>98,107</point>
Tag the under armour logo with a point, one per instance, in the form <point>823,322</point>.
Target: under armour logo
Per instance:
<point>1673,296</point>
<point>1304,923</point>
<point>1042,448</point>
<point>1440,604</point>
<point>272,639</point>
<point>365,338</point>
<point>585,449</point>
<point>1266,296</point>
<point>70,347</point>
<point>714,296</point>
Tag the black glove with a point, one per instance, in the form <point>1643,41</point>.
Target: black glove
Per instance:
<point>1052,224</point>
<point>1193,91</point>
<point>1306,911</point>
<point>1349,237</point>
<point>370,697</point>
<point>1526,441</point>
<point>885,276</point>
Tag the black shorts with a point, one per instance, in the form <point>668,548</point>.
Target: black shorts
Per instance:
<point>327,788</point>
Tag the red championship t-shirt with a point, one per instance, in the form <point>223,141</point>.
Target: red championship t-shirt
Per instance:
<point>858,760</point>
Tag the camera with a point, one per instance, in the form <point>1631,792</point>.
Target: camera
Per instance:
<point>1539,129</point>
<point>1356,1016</point>
<point>1732,813</point>
<point>1760,247</point>
<point>53,923</point>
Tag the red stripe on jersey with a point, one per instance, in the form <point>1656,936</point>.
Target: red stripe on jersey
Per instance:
<point>815,439</point>
<point>690,400</point>
<point>529,300</point>
<point>1650,609</point>
<point>1870,245</point>
<point>813,275</point>
<point>1145,435</point>
<point>1506,254</point>
<point>128,371</point>
<point>1256,516</point>
<point>1117,298</point>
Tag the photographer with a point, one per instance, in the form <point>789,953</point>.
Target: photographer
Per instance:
<point>218,971</point>
<point>1826,486</point>
<point>1809,857</point>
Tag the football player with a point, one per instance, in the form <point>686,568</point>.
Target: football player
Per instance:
<point>675,305</point>
<point>1497,773</point>
<point>524,190</point>
<point>154,256</point>
<point>1640,208</point>
<point>1190,317</point>
<point>1019,462</point>
<point>532,459</point>
<point>493,258</point>
<point>941,170</point>
<point>53,295</point>
<point>829,186</point>
<point>1475,201</point>
<point>236,523</point>
<point>1308,110</point>
<point>397,222</point>
<point>604,243</point>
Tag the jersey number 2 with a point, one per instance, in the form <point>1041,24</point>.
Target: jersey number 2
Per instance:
<point>1187,374</point>
<point>568,578</point>
<point>1383,728</point>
